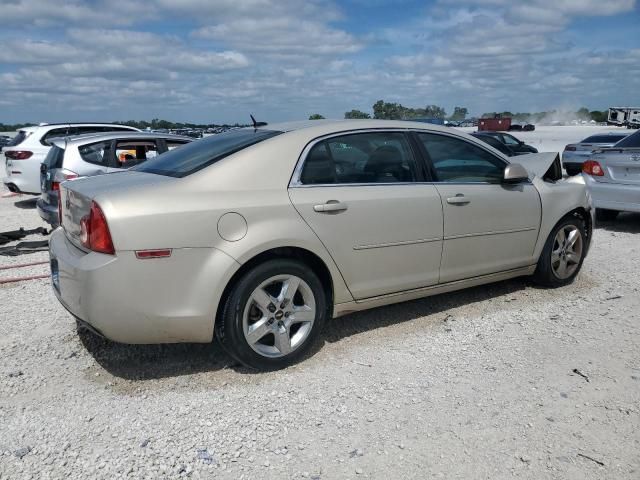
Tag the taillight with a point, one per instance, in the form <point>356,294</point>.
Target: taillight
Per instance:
<point>18,154</point>
<point>55,186</point>
<point>570,148</point>
<point>591,167</point>
<point>94,231</point>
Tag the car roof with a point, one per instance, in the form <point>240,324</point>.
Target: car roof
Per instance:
<point>326,127</point>
<point>63,142</point>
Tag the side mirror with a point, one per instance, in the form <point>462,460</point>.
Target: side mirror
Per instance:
<point>515,173</point>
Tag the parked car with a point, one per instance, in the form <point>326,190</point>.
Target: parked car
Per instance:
<point>4,141</point>
<point>30,146</point>
<point>262,234</point>
<point>612,176</point>
<point>575,154</point>
<point>518,146</point>
<point>95,154</point>
<point>495,143</point>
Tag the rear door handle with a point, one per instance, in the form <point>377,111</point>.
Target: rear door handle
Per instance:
<point>330,206</point>
<point>459,199</point>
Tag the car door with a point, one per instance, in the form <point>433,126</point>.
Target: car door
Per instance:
<point>362,196</point>
<point>489,226</point>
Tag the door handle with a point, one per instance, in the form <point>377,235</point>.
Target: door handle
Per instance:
<point>330,206</point>
<point>459,199</point>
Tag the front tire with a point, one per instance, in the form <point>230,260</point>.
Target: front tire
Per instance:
<point>563,254</point>
<point>273,315</point>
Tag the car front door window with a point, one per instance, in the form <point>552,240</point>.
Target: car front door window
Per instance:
<point>458,161</point>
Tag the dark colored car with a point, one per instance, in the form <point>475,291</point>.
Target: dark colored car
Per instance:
<point>495,143</point>
<point>518,146</point>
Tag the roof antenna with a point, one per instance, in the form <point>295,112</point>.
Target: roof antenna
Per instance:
<point>257,124</point>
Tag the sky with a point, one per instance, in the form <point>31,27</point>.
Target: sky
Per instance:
<point>217,61</point>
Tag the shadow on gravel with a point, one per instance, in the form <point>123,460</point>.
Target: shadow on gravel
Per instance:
<point>146,362</point>
<point>624,223</point>
<point>28,204</point>
<point>381,317</point>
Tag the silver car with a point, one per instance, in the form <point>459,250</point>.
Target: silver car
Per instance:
<point>95,154</point>
<point>612,176</point>
<point>575,154</point>
<point>257,236</point>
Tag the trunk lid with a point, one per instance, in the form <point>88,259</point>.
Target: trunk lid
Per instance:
<point>76,196</point>
<point>620,165</point>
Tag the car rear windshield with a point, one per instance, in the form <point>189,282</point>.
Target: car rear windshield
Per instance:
<point>197,155</point>
<point>632,141</point>
<point>54,158</point>
<point>18,139</point>
<point>603,139</point>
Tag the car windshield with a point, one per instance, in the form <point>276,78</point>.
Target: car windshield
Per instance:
<point>195,156</point>
<point>632,141</point>
<point>603,139</point>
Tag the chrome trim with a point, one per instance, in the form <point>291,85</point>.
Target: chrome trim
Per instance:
<point>294,182</point>
<point>396,244</point>
<point>484,234</point>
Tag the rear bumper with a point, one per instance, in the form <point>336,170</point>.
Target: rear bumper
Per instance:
<point>48,212</point>
<point>130,300</point>
<point>15,183</point>
<point>614,196</point>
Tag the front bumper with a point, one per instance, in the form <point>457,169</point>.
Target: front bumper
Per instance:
<point>614,196</point>
<point>129,300</point>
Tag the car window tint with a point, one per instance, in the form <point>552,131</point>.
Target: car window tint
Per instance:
<point>95,153</point>
<point>197,155</point>
<point>456,160</point>
<point>130,153</point>
<point>171,144</point>
<point>54,158</point>
<point>495,143</point>
<point>632,141</point>
<point>380,157</point>
<point>18,139</point>
<point>603,139</point>
<point>509,140</point>
<point>56,132</point>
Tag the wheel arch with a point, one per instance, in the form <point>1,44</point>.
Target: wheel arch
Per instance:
<point>303,255</point>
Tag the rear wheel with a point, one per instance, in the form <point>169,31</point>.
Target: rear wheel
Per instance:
<point>563,254</point>
<point>606,215</point>
<point>273,315</point>
<point>573,170</point>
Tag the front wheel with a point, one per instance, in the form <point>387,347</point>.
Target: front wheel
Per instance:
<point>563,254</point>
<point>273,315</point>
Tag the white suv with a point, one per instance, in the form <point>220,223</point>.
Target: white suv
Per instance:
<point>30,146</point>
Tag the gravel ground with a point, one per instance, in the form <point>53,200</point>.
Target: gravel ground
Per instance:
<point>502,381</point>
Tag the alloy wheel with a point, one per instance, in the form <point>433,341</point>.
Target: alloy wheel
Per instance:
<point>567,251</point>
<point>279,316</point>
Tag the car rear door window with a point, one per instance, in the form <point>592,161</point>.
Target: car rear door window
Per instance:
<point>457,161</point>
<point>96,153</point>
<point>371,157</point>
<point>54,133</point>
<point>130,153</point>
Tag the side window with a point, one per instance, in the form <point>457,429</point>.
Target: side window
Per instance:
<point>56,132</point>
<point>509,140</point>
<point>380,157</point>
<point>130,153</point>
<point>171,144</point>
<point>96,153</point>
<point>456,160</point>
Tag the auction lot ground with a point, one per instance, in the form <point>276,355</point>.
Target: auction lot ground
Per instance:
<point>473,384</point>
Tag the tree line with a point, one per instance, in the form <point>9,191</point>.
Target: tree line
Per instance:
<point>395,111</point>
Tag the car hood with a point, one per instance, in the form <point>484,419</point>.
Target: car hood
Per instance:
<point>545,165</point>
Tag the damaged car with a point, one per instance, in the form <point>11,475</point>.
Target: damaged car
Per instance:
<point>258,236</point>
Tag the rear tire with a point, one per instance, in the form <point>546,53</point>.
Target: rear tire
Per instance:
<point>573,170</point>
<point>605,215</point>
<point>273,315</point>
<point>563,254</point>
